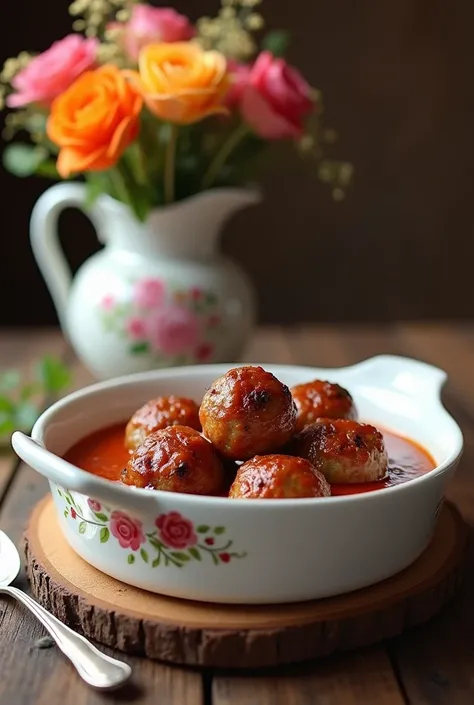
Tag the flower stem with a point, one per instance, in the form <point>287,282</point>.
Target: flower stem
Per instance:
<point>118,177</point>
<point>170,165</point>
<point>232,142</point>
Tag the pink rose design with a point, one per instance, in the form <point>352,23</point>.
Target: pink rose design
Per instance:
<point>239,75</point>
<point>151,25</point>
<point>107,302</point>
<point>94,505</point>
<point>173,331</point>
<point>176,531</point>
<point>276,99</point>
<point>196,293</point>
<point>52,72</point>
<point>136,328</point>
<point>204,352</point>
<point>149,293</point>
<point>128,531</point>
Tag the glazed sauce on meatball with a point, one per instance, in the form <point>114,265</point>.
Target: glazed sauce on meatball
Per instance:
<point>103,453</point>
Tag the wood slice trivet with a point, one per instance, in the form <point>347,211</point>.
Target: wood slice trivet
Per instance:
<point>229,636</point>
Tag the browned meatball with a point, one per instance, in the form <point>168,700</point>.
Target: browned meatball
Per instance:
<point>176,459</point>
<point>160,413</point>
<point>345,451</point>
<point>278,477</point>
<point>319,399</point>
<point>247,412</point>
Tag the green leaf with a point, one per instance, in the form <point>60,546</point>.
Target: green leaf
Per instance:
<point>66,513</point>
<point>104,534</point>
<point>82,527</point>
<point>96,184</point>
<point>7,426</point>
<point>68,499</point>
<point>23,159</point>
<point>48,169</point>
<point>9,380</point>
<point>276,42</point>
<point>139,348</point>
<point>101,517</point>
<point>7,406</point>
<point>219,530</point>
<point>180,556</point>
<point>211,298</point>
<point>144,555</point>
<point>195,554</point>
<point>156,562</point>
<point>30,390</point>
<point>53,374</point>
<point>26,415</point>
<point>203,529</point>
<point>131,559</point>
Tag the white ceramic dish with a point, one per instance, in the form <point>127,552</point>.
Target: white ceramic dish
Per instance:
<point>249,551</point>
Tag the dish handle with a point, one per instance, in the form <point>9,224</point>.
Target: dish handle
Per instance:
<point>411,377</point>
<point>69,477</point>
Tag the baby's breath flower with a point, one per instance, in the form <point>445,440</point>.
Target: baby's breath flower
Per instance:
<point>254,21</point>
<point>123,15</point>
<point>94,15</point>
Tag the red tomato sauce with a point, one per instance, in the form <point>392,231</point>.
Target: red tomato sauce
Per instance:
<point>103,453</point>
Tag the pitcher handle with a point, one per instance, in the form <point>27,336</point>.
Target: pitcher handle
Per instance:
<point>44,239</point>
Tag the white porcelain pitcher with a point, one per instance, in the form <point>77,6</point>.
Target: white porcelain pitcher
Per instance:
<point>159,293</point>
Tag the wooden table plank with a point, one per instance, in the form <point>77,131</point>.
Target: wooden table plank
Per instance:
<point>29,674</point>
<point>435,662</point>
<point>365,676</point>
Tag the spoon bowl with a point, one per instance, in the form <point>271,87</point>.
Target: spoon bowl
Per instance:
<point>95,668</point>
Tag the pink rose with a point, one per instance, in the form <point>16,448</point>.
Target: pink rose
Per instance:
<point>94,505</point>
<point>52,72</point>
<point>148,293</point>
<point>128,531</point>
<point>204,352</point>
<point>108,302</point>
<point>150,25</point>
<point>173,331</point>
<point>136,328</point>
<point>239,75</point>
<point>176,531</point>
<point>276,99</point>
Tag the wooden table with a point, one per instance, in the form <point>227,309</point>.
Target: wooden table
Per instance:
<point>432,665</point>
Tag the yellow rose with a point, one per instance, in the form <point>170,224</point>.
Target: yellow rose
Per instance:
<point>180,82</point>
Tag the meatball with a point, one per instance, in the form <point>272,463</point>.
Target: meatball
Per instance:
<point>278,477</point>
<point>247,412</point>
<point>160,413</point>
<point>319,399</point>
<point>176,459</point>
<point>345,451</point>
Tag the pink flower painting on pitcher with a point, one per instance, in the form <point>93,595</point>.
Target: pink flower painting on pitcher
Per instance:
<point>173,325</point>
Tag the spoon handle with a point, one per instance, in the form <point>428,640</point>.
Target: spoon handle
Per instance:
<point>94,667</point>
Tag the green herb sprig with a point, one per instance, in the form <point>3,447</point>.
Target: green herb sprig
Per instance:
<point>22,399</point>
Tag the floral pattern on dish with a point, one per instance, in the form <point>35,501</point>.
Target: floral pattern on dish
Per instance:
<point>174,541</point>
<point>175,326</point>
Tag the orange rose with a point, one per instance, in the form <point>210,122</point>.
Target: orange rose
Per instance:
<point>180,82</point>
<point>94,121</point>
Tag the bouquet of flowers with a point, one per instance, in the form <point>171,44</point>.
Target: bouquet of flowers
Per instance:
<point>151,109</point>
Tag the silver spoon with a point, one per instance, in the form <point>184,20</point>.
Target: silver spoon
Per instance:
<point>97,669</point>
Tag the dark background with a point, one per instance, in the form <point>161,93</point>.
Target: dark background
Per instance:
<point>398,81</point>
